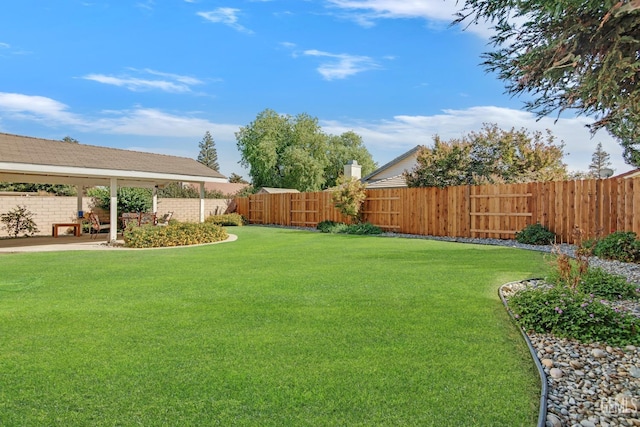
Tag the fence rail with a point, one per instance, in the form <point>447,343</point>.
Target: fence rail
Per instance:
<point>597,207</point>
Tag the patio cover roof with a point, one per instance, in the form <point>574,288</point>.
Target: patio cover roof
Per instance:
<point>35,160</point>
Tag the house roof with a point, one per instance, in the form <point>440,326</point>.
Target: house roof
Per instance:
<point>393,162</point>
<point>398,181</point>
<point>27,159</point>
<point>630,174</point>
<point>272,190</point>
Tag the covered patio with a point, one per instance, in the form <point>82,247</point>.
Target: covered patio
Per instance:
<point>34,160</point>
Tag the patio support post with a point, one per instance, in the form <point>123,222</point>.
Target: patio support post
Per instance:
<point>202,202</point>
<point>154,200</point>
<point>113,211</point>
<point>79,194</point>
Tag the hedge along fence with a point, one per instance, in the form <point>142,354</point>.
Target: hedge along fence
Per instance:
<point>597,207</point>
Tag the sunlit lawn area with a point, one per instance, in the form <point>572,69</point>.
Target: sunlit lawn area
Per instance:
<point>279,328</point>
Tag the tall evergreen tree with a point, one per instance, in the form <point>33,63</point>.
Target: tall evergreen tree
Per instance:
<point>599,161</point>
<point>208,155</point>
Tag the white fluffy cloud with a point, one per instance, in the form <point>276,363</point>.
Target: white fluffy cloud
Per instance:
<point>227,16</point>
<point>172,83</point>
<point>438,12</point>
<point>341,66</point>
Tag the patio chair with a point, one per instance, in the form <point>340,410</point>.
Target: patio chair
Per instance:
<point>95,226</point>
<point>130,218</point>
<point>164,219</point>
<point>148,218</point>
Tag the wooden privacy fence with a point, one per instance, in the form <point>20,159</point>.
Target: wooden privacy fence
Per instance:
<point>597,207</point>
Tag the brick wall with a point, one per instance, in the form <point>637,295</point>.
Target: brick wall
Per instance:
<point>48,210</point>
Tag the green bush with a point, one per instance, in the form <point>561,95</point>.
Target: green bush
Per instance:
<point>233,219</point>
<point>340,227</point>
<point>174,234</point>
<point>570,314</point>
<point>328,226</point>
<point>621,246</point>
<point>605,285</point>
<point>535,234</point>
<point>19,220</point>
<point>129,199</point>
<point>363,228</point>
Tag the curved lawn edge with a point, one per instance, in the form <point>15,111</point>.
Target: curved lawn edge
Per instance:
<point>542,414</point>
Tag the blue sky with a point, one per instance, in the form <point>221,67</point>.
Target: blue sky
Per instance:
<point>155,75</point>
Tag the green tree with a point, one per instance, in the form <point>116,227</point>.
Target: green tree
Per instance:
<point>208,155</point>
<point>234,178</point>
<point>492,155</point>
<point>342,149</point>
<point>569,54</point>
<point>71,140</point>
<point>599,161</point>
<point>56,189</point>
<point>293,152</point>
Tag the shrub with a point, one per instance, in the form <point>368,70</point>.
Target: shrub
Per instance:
<point>565,313</point>
<point>328,226</point>
<point>340,227</point>
<point>606,285</point>
<point>19,220</point>
<point>174,234</point>
<point>129,199</point>
<point>226,219</point>
<point>348,197</point>
<point>535,234</point>
<point>363,228</point>
<point>621,246</point>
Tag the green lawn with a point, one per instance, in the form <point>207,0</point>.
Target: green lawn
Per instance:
<point>279,328</point>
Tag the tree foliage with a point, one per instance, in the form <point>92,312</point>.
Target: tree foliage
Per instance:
<point>129,199</point>
<point>569,54</point>
<point>348,197</point>
<point>234,178</point>
<point>293,152</point>
<point>55,189</point>
<point>70,140</point>
<point>599,161</point>
<point>208,155</point>
<point>492,155</point>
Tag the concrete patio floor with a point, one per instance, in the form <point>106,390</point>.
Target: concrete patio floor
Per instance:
<point>72,243</point>
<point>61,243</point>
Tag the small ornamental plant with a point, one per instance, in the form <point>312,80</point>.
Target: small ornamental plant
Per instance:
<point>348,197</point>
<point>19,220</point>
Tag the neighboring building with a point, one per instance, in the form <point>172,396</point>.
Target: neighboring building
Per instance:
<point>391,175</point>
<point>226,188</point>
<point>271,190</point>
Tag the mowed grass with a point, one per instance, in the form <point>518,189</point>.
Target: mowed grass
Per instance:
<point>280,328</point>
